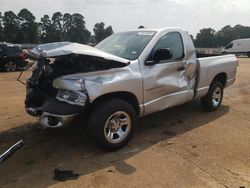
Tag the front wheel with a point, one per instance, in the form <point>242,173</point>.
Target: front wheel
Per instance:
<point>113,123</point>
<point>212,101</point>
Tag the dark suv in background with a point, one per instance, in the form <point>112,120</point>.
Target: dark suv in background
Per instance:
<point>12,57</point>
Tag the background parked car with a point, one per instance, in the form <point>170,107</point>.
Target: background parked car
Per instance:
<point>12,57</point>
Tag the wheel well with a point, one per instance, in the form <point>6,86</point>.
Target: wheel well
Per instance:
<point>222,77</point>
<point>126,96</point>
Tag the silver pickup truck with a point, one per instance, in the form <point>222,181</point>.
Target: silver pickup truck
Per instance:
<point>126,76</point>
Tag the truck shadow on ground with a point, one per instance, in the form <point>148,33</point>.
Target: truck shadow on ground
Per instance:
<point>72,148</point>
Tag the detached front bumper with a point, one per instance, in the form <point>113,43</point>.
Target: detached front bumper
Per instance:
<point>56,113</point>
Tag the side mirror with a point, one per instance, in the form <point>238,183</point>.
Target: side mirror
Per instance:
<point>159,55</point>
<point>163,54</point>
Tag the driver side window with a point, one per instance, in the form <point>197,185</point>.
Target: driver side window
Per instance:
<point>173,41</point>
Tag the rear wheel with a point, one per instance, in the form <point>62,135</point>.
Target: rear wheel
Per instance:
<point>10,66</point>
<point>113,123</point>
<point>212,101</point>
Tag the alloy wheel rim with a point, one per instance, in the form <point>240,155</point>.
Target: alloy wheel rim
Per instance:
<point>117,127</point>
<point>217,95</point>
<point>10,66</point>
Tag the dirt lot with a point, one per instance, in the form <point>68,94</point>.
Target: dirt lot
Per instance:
<point>179,147</point>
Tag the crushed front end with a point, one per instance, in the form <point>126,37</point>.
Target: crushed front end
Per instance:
<point>54,106</point>
<point>50,94</point>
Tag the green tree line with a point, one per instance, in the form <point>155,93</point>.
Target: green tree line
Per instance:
<point>23,28</point>
<point>209,38</point>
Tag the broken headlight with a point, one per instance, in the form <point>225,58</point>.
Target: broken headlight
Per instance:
<point>72,97</point>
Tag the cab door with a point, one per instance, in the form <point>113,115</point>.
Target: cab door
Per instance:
<point>165,82</point>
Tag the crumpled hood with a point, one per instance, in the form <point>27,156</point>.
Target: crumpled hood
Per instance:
<point>66,48</point>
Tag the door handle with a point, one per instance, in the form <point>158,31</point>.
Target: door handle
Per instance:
<point>181,68</point>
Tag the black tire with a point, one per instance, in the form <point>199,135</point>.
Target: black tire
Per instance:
<point>209,103</point>
<point>103,116</point>
<point>10,66</point>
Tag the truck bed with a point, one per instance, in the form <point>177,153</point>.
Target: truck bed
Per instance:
<point>210,67</point>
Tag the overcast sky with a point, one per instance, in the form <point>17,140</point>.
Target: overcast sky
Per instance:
<point>192,15</point>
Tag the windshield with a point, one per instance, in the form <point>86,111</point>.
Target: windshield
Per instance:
<point>128,45</point>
